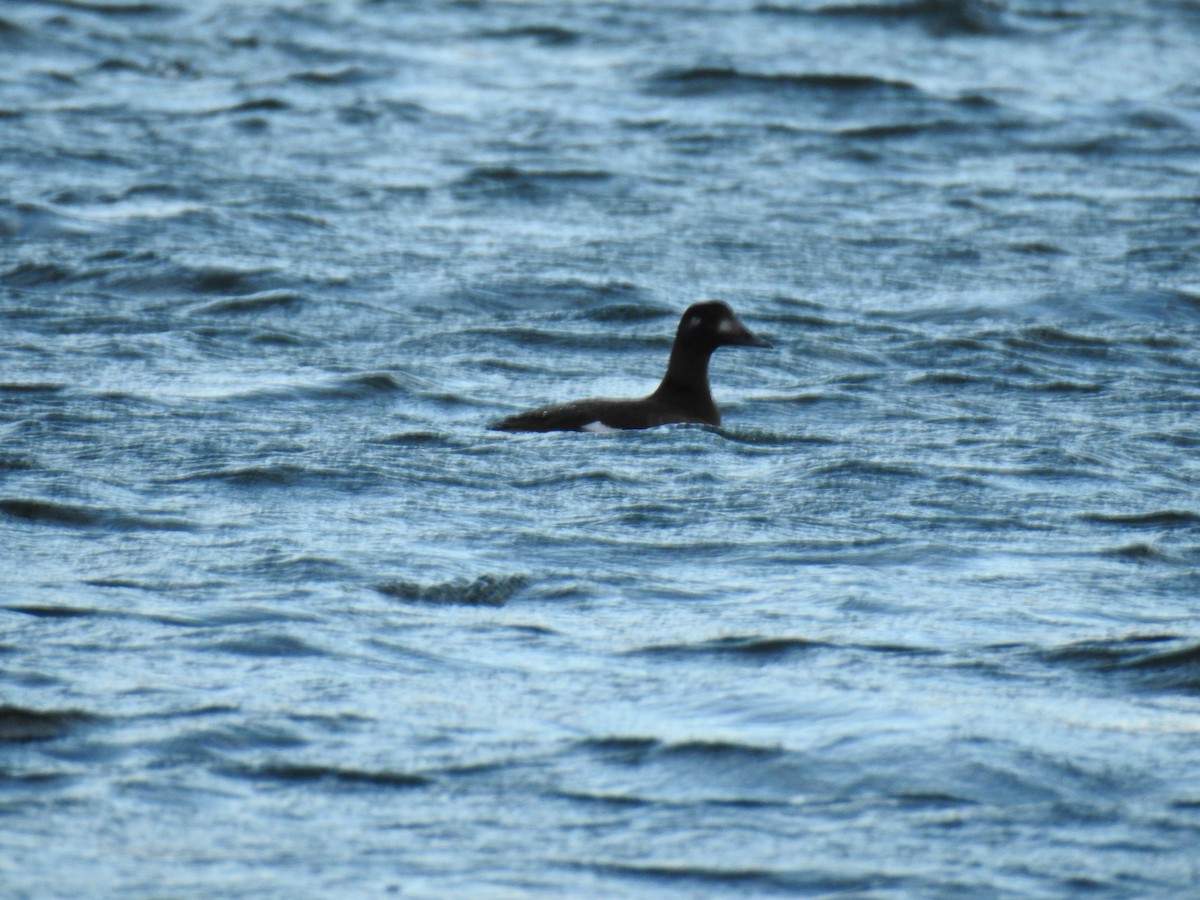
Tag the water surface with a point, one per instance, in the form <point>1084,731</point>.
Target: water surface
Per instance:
<point>281,617</point>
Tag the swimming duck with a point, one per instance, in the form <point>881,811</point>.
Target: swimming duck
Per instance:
<point>683,395</point>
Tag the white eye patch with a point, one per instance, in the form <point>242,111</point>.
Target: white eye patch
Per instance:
<point>692,322</point>
<point>727,327</point>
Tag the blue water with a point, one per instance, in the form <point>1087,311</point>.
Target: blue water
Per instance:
<point>280,617</point>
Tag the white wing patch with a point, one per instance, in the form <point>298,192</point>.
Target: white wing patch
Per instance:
<point>599,427</point>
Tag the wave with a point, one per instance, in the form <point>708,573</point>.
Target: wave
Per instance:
<point>302,773</point>
<point>361,386</point>
<point>244,614</point>
<point>49,611</point>
<point>420,437</point>
<point>263,104</point>
<point>21,725</point>
<point>770,439</point>
<point>47,512</point>
<point>115,9</point>
<point>1058,340</point>
<point>276,475</point>
<point>346,75</point>
<point>870,468</point>
<point>37,274</point>
<point>706,878</point>
<point>34,220</point>
<point>622,312</point>
<point>758,648</point>
<point>901,130</point>
<point>44,611</point>
<point>226,280</point>
<point>358,387</point>
<point>486,590</point>
<point>636,750</point>
<point>714,81</point>
<point>588,298</point>
<point>586,476</point>
<point>510,182</point>
<point>363,111</point>
<point>751,647</point>
<point>31,387</point>
<point>213,742</point>
<point>940,17</point>
<point>1161,519</point>
<point>11,31</point>
<point>150,274</point>
<point>262,301</point>
<point>603,798</point>
<point>1157,662</point>
<point>18,464</point>
<point>546,35</point>
<point>271,645</point>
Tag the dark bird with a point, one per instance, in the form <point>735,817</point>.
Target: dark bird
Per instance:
<point>683,395</point>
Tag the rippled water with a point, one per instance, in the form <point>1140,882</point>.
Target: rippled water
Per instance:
<point>281,617</point>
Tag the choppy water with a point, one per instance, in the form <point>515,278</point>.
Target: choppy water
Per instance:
<point>281,617</point>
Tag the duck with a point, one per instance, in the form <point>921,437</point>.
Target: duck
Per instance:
<point>683,396</point>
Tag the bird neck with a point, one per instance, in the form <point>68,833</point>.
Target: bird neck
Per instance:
<point>686,381</point>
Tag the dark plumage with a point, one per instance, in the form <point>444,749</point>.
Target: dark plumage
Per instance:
<point>683,395</point>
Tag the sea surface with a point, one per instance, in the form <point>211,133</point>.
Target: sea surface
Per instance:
<point>281,617</point>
